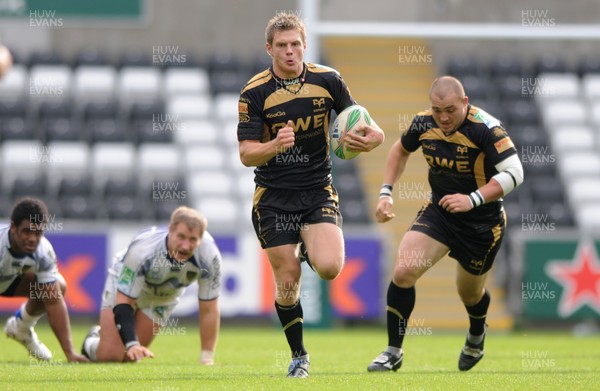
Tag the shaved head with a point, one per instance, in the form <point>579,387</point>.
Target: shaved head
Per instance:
<point>445,86</point>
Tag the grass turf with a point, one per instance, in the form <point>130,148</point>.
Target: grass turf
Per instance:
<point>257,358</point>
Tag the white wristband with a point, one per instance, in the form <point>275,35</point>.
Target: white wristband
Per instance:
<point>476,199</point>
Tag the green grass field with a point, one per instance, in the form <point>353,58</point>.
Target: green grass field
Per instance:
<point>257,359</point>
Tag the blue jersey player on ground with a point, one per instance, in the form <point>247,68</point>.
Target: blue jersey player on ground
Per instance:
<point>145,283</point>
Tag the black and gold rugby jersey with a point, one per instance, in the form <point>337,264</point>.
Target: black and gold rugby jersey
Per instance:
<point>268,102</point>
<point>463,161</point>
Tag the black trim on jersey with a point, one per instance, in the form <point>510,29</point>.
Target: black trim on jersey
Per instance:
<point>513,178</point>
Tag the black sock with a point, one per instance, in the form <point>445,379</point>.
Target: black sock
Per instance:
<point>291,319</point>
<point>400,303</point>
<point>477,314</point>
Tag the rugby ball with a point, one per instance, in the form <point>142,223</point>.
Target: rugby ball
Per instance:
<point>347,121</point>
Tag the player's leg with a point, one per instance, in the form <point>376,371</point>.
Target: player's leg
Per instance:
<point>475,254</point>
<point>325,247</point>
<point>287,272</point>
<point>416,254</point>
<point>20,327</point>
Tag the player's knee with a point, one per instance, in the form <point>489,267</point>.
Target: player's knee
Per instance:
<point>404,278</point>
<point>469,297</point>
<point>331,270</point>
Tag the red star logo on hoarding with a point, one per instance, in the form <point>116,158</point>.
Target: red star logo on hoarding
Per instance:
<point>580,279</point>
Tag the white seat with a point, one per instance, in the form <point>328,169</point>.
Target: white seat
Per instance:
<point>112,160</point>
<point>227,106</point>
<point>245,183</point>
<point>211,183</point>
<point>197,131</point>
<point>158,161</point>
<point>595,113</point>
<point>22,159</point>
<point>565,138</point>
<point>67,158</point>
<point>234,160</point>
<point>185,107</point>
<point>572,111</point>
<point>14,84</point>
<point>50,82</point>
<point>186,81</point>
<point>203,158</point>
<point>139,83</point>
<point>585,190</point>
<point>558,85</point>
<point>221,212</point>
<point>588,218</point>
<point>591,86</point>
<point>577,164</point>
<point>94,83</point>
<point>229,131</point>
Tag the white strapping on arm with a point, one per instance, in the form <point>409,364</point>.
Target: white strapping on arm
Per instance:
<point>510,173</point>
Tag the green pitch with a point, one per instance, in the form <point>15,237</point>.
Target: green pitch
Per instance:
<point>257,358</point>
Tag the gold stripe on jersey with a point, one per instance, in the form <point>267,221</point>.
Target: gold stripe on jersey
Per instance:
<point>497,234</point>
<point>258,80</point>
<point>319,68</point>
<point>479,170</point>
<point>258,194</point>
<point>282,96</point>
<point>456,137</point>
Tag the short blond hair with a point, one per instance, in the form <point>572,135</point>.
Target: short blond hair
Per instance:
<point>190,217</point>
<point>283,21</point>
<point>445,85</point>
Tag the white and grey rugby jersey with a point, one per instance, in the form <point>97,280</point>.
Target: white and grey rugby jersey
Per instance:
<point>42,262</point>
<point>146,268</point>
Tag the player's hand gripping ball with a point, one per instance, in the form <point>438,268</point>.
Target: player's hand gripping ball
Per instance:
<point>349,120</point>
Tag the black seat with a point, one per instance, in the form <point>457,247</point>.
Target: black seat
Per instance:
<point>29,187</point>
<point>146,110</point>
<point>16,128</point>
<point>476,87</point>
<point>522,112</point>
<point>106,130</point>
<point>60,129</point>
<point>511,87</point>
<point>550,63</point>
<point>546,189</point>
<point>164,208</point>
<point>105,109</point>
<point>78,185</point>
<point>54,108</point>
<point>354,211</point>
<point>506,65</point>
<point>78,207</point>
<point>147,131</point>
<point>13,108</point>
<point>45,57</point>
<point>120,186</point>
<point>590,64</point>
<point>90,56</point>
<point>135,58</point>
<point>464,65</point>
<point>124,208</point>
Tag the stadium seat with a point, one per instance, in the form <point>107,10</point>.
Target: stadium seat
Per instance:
<point>78,207</point>
<point>589,65</point>
<point>261,63</point>
<point>29,187</point>
<point>464,65</point>
<point>521,112</point>
<point>45,57</point>
<point>579,138</point>
<point>348,185</point>
<point>55,109</point>
<point>354,211</point>
<point>13,108</point>
<point>135,58</point>
<point>50,82</point>
<point>506,65</point>
<point>210,183</point>
<point>136,84</point>
<point>67,159</point>
<point>203,158</point>
<point>124,208</point>
<point>553,215</point>
<point>223,61</point>
<point>226,106</point>
<point>89,57</point>
<point>186,81</point>
<point>559,85</point>
<point>190,132</point>
<point>595,114</point>
<point>158,162</point>
<point>578,164</point>
<point>222,213</point>
<point>564,111</point>
<point>119,186</point>
<point>16,128</point>
<point>22,160</point>
<point>162,210</point>
<point>591,86</point>
<point>245,183</point>
<point>185,107</point>
<point>228,82</point>
<point>106,130</point>
<point>14,85</point>
<point>584,190</point>
<point>228,131</point>
<point>149,131</point>
<point>100,109</point>
<point>588,218</point>
<point>94,83</point>
<point>511,87</point>
<point>149,110</point>
<point>60,129</point>
<point>549,63</point>
<point>545,189</point>
<point>112,160</point>
<point>77,184</point>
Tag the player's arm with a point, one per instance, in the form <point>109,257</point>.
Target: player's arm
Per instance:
<point>124,311</point>
<point>58,317</point>
<point>6,60</point>
<point>373,137</point>
<point>510,175</point>
<point>255,153</point>
<point>394,167</point>
<point>209,318</point>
